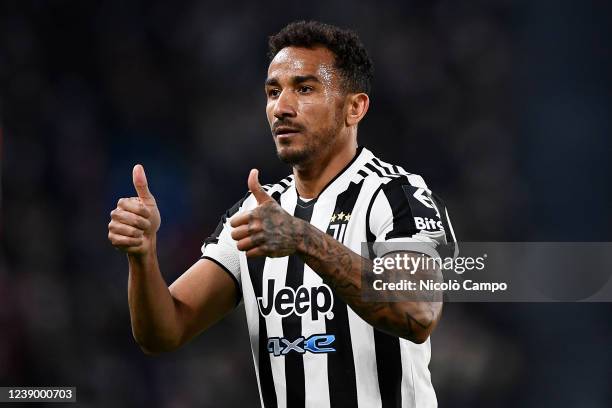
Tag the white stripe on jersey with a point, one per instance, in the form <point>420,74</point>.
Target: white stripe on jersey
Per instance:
<point>316,386</point>
<point>370,200</point>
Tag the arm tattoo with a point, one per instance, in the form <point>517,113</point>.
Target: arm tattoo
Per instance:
<point>341,269</point>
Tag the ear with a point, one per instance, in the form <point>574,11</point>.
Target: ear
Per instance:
<point>357,107</point>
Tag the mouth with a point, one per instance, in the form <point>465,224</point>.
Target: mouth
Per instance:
<point>285,132</point>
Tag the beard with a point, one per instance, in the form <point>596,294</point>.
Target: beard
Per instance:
<point>297,155</point>
<point>314,145</point>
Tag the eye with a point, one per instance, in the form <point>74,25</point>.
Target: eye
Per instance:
<point>305,89</point>
<point>273,92</point>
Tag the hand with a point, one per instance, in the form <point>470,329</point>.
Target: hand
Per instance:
<point>135,221</point>
<point>267,230</point>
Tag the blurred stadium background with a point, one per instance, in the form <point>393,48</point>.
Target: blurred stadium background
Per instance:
<point>503,106</point>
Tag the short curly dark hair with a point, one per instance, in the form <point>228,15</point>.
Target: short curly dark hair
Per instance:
<point>352,60</point>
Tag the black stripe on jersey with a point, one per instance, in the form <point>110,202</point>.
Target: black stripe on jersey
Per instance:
<point>371,167</point>
<point>385,168</point>
<point>285,182</point>
<point>389,368</point>
<point>214,237</point>
<point>276,196</point>
<point>341,364</point>
<point>403,221</point>
<point>266,380</point>
<point>362,173</point>
<point>292,324</point>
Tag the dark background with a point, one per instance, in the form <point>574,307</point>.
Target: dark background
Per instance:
<point>503,107</point>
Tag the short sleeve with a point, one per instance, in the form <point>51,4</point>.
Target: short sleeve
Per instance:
<point>220,248</point>
<point>404,210</point>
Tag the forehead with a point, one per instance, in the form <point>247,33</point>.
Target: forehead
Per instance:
<point>293,61</point>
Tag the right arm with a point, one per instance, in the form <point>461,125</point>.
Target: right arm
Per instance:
<point>164,318</point>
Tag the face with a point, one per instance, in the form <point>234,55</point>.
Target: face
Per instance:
<point>304,103</point>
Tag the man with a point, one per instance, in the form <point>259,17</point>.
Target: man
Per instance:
<point>290,251</point>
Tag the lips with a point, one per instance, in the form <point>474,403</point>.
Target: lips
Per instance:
<point>285,130</point>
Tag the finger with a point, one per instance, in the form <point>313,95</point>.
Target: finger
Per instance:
<point>123,229</point>
<point>121,241</point>
<point>240,232</point>
<point>240,219</point>
<point>251,241</point>
<point>139,179</point>
<point>126,217</point>
<point>260,195</point>
<point>257,251</point>
<point>245,244</point>
<point>134,205</point>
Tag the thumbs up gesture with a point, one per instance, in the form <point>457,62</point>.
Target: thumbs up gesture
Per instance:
<point>267,230</point>
<point>135,221</point>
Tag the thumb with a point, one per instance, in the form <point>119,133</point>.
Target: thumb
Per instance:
<point>260,195</point>
<point>140,183</point>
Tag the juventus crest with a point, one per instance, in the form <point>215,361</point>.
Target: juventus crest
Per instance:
<point>337,225</point>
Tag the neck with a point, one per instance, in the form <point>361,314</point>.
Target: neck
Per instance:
<point>312,177</point>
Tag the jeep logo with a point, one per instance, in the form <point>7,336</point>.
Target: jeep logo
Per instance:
<point>318,299</point>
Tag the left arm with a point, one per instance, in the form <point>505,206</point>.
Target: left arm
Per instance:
<point>341,269</point>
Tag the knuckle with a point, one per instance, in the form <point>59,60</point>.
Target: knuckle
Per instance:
<point>260,239</point>
<point>255,225</point>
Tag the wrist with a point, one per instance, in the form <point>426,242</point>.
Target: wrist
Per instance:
<point>304,236</point>
<point>146,255</point>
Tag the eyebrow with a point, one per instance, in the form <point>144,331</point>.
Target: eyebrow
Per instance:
<point>298,79</point>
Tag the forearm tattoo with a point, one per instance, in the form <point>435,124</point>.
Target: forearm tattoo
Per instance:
<point>341,269</point>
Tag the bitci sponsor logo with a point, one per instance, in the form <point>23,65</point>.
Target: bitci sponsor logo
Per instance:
<point>428,224</point>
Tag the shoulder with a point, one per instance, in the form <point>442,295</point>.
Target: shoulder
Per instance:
<point>399,194</point>
<point>275,190</point>
<point>404,193</point>
<point>391,178</point>
<point>279,187</point>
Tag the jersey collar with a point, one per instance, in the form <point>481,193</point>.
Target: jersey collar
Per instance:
<point>344,176</point>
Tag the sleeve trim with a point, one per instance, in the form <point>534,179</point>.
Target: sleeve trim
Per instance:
<point>369,234</point>
<point>239,291</point>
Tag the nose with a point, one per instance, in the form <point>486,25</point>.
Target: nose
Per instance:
<point>285,105</point>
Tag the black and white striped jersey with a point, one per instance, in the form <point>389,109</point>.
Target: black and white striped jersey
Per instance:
<point>310,349</point>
